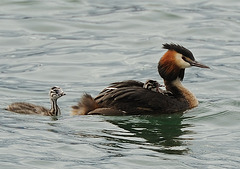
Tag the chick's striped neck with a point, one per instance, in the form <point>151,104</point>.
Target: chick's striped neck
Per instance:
<point>55,110</point>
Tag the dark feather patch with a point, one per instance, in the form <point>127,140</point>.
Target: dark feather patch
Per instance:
<point>181,74</point>
<point>180,49</point>
<point>168,75</point>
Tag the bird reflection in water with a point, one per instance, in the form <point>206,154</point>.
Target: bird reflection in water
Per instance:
<point>165,133</point>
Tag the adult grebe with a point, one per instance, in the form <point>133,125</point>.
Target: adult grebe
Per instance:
<point>130,98</point>
<point>28,108</point>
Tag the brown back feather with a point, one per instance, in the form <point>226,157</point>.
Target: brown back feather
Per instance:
<point>85,105</point>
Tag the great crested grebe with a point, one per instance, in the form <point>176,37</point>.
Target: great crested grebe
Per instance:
<point>131,98</point>
<point>28,108</point>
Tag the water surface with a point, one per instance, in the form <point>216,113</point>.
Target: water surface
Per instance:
<point>82,46</point>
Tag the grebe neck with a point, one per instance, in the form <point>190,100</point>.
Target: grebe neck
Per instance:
<point>179,91</point>
<point>55,110</point>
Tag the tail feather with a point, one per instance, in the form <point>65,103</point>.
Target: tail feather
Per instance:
<point>85,105</point>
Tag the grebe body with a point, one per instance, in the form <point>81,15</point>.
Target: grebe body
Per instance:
<point>28,108</point>
<point>132,98</point>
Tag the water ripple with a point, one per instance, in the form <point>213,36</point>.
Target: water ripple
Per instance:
<point>83,46</point>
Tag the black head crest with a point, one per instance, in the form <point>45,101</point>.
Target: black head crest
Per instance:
<point>180,49</point>
<point>167,70</point>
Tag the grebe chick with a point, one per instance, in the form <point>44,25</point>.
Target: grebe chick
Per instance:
<point>131,98</point>
<point>28,108</point>
<point>154,86</point>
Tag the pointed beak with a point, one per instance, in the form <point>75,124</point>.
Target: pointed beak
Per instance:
<point>197,64</point>
<point>62,94</point>
<point>158,88</point>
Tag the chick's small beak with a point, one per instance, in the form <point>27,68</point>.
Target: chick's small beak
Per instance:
<point>62,94</point>
<point>197,64</point>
